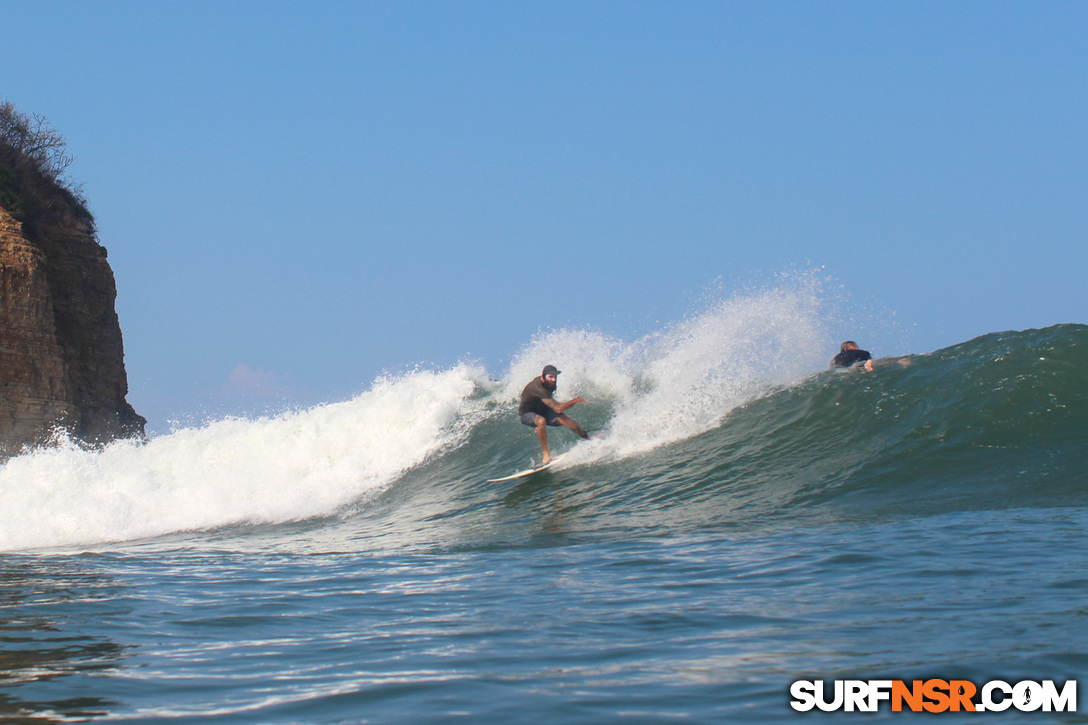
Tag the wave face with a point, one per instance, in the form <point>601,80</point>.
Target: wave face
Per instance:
<point>727,419</point>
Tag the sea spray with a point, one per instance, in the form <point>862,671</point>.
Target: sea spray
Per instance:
<point>644,583</point>
<point>672,385</point>
<point>997,422</point>
<point>683,380</point>
<point>293,466</point>
<point>939,506</point>
<point>593,365</point>
<point>698,371</point>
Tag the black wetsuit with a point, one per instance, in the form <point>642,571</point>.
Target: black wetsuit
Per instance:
<point>849,358</point>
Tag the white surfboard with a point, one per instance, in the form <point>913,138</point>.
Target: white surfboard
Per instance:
<point>529,471</point>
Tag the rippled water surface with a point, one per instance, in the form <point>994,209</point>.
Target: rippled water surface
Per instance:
<point>704,627</point>
<point>351,563</point>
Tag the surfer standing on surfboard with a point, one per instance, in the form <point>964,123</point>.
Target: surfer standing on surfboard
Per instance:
<point>539,409</point>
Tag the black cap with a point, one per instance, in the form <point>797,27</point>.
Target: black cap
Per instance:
<point>549,370</point>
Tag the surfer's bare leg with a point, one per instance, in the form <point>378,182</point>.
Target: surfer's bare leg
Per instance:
<point>569,422</point>
<point>542,434</point>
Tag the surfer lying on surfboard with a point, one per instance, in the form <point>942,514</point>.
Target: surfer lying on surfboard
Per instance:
<point>539,409</point>
<point>850,356</point>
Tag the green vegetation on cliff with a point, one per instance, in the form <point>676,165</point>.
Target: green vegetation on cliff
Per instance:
<point>33,187</point>
<point>62,361</point>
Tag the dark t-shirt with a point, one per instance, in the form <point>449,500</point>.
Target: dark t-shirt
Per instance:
<point>849,358</point>
<point>531,398</point>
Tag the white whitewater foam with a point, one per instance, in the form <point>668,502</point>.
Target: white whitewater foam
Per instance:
<point>290,467</point>
<point>683,381</point>
<point>666,387</point>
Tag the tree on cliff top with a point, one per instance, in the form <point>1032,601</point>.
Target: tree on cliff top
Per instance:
<point>33,159</point>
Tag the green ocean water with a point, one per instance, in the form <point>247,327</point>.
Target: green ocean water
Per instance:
<point>924,520</point>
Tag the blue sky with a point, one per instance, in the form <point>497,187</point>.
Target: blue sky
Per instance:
<point>298,196</point>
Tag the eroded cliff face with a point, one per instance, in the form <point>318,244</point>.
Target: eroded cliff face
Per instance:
<point>61,353</point>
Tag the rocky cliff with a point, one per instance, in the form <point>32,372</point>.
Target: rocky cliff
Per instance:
<point>61,354</point>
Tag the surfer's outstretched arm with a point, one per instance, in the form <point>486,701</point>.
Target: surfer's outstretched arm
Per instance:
<point>563,407</point>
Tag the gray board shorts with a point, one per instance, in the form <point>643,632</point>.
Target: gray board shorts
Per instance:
<point>551,417</point>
